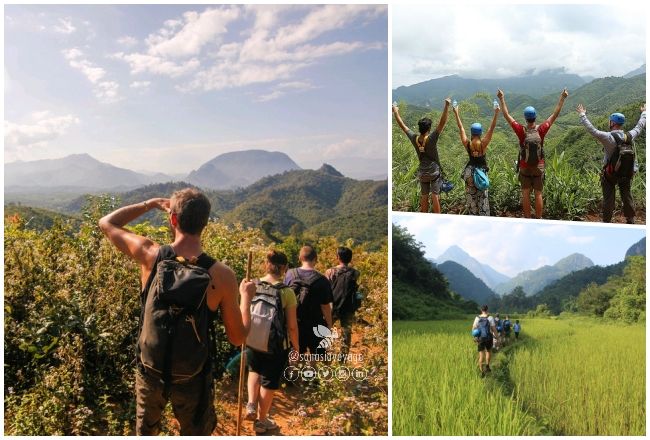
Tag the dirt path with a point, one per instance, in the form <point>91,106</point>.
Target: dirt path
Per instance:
<point>295,406</point>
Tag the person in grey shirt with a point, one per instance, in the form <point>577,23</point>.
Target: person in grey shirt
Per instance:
<point>607,139</point>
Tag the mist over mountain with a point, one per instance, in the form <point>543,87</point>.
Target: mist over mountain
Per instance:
<point>532,281</point>
<point>239,169</point>
<point>482,271</point>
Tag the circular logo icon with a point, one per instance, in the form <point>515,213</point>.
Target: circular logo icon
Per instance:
<point>291,374</point>
<point>294,355</point>
<point>308,373</point>
<point>325,373</point>
<point>342,373</point>
<point>359,374</point>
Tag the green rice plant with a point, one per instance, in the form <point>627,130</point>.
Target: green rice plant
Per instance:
<point>574,376</point>
<point>585,378</point>
<point>437,389</point>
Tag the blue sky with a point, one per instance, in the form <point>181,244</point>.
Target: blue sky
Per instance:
<point>167,87</point>
<point>502,40</point>
<point>512,245</point>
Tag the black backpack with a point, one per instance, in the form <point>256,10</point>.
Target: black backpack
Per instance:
<point>532,148</point>
<point>344,290</point>
<point>268,331</point>
<point>306,310</point>
<point>506,325</point>
<point>621,162</point>
<point>484,328</point>
<point>173,340</point>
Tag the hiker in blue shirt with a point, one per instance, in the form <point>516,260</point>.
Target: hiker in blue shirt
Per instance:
<point>506,328</point>
<point>517,329</point>
<point>487,331</point>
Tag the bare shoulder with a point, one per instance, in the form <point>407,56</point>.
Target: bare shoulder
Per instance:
<point>223,285</point>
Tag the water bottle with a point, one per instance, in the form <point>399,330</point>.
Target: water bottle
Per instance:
<point>454,104</point>
<point>495,104</point>
<point>394,103</point>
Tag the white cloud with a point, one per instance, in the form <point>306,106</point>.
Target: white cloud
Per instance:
<point>197,44</point>
<point>271,96</point>
<point>539,35</point>
<point>127,41</point>
<point>76,60</point>
<point>20,139</point>
<point>178,39</point>
<point>65,26</point>
<point>143,63</point>
<point>282,89</point>
<point>140,84</point>
<point>105,91</point>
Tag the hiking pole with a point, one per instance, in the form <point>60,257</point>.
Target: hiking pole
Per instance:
<point>242,359</point>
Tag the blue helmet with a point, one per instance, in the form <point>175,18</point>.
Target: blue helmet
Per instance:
<point>617,118</point>
<point>476,129</point>
<point>530,113</point>
<point>476,332</point>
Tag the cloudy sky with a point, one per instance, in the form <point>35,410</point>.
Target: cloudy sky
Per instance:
<point>166,88</point>
<point>496,41</point>
<point>500,242</point>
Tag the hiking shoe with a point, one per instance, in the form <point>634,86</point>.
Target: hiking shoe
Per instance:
<point>251,412</point>
<point>262,426</point>
<point>487,369</point>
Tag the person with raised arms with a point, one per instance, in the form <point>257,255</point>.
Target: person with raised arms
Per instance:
<point>530,163</point>
<point>426,148</point>
<point>476,192</point>
<point>619,161</point>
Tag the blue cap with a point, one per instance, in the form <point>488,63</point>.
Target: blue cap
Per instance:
<point>476,129</point>
<point>530,113</point>
<point>617,118</point>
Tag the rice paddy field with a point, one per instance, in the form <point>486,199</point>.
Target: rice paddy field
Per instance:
<point>563,377</point>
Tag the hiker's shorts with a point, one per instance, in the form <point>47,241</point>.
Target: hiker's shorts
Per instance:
<point>430,186</point>
<point>269,366</point>
<point>192,403</point>
<point>485,344</point>
<point>531,178</point>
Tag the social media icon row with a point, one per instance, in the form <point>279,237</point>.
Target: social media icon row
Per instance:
<point>324,373</point>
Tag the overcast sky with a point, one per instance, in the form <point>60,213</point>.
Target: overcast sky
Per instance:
<point>168,87</point>
<point>512,245</point>
<point>496,41</point>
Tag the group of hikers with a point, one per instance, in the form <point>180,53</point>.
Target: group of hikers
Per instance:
<point>619,161</point>
<point>491,332</point>
<point>183,287</point>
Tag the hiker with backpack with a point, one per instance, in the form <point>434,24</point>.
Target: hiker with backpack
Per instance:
<point>517,328</point>
<point>426,148</point>
<point>274,328</point>
<point>530,164</point>
<point>181,285</point>
<point>619,161</point>
<point>498,324</point>
<point>475,172</point>
<point>314,297</point>
<point>485,336</point>
<point>506,328</point>
<point>344,281</point>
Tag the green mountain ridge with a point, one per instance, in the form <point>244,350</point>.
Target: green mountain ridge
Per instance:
<point>532,281</point>
<point>317,201</point>
<point>464,283</point>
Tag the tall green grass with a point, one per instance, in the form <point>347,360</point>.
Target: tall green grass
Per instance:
<point>437,390</point>
<point>584,378</point>
<point>577,377</point>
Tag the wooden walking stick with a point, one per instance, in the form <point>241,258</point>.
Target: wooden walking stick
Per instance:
<point>242,358</point>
